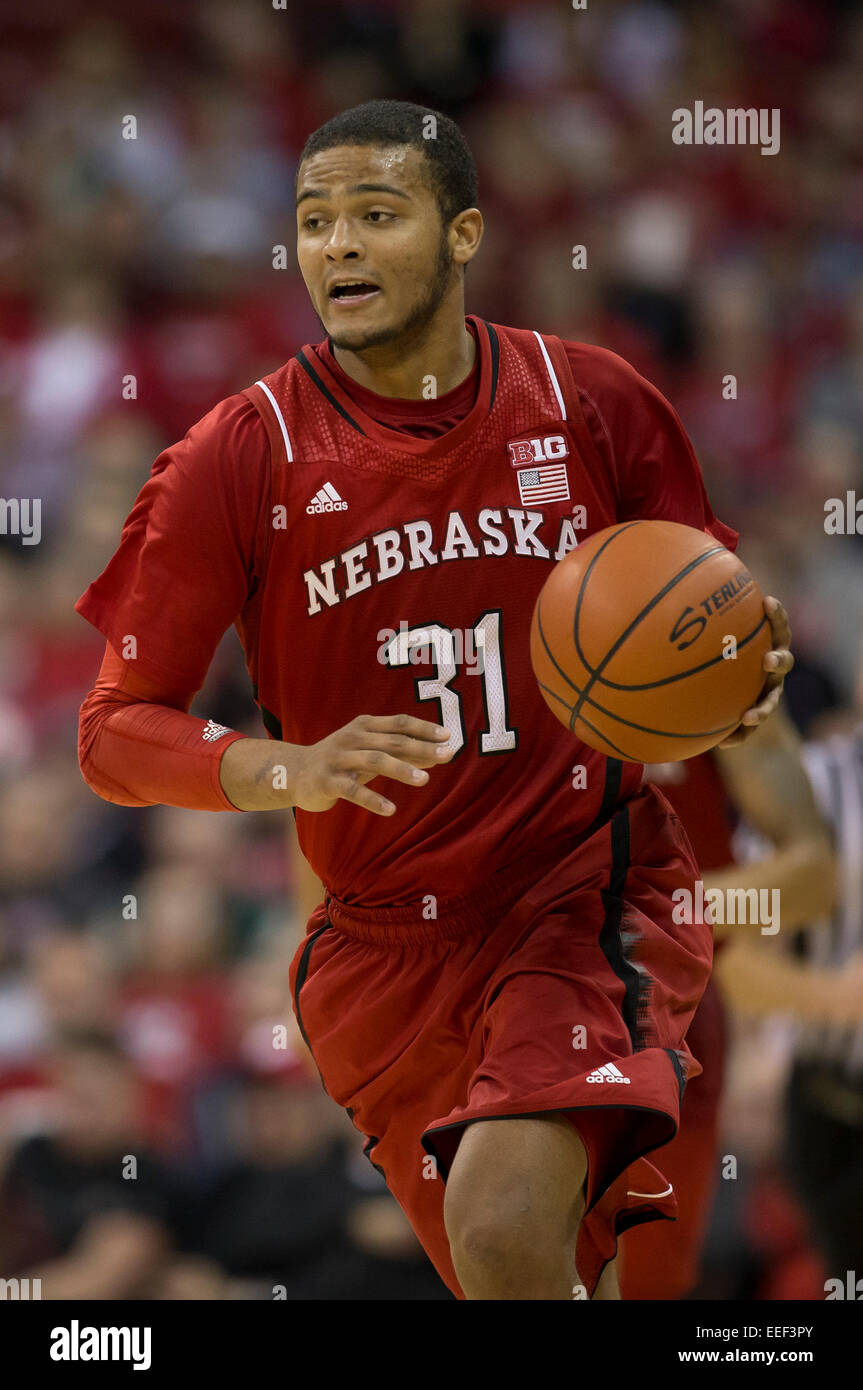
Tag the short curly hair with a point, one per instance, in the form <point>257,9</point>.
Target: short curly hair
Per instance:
<point>452,171</point>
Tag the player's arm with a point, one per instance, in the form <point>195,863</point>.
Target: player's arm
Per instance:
<point>768,784</point>
<point>192,552</point>
<point>137,746</point>
<point>265,774</point>
<point>759,981</point>
<point>114,1254</point>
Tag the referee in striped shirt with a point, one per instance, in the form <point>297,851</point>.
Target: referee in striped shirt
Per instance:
<point>825,1095</point>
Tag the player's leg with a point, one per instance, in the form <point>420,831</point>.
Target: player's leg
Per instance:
<point>514,1200</point>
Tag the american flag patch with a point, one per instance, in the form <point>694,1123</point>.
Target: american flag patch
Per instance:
<point>548,484</point>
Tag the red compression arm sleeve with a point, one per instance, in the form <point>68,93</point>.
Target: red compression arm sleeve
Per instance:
<point>138,746</point>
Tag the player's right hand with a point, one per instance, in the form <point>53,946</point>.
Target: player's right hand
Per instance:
<point>339,768</point>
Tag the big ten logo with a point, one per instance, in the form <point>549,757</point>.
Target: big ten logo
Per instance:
<point>545,448</point>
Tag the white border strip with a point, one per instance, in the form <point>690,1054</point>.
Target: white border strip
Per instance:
<point>554,380</point>
<point>280,418</point>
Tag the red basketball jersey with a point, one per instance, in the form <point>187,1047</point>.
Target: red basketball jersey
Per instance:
<point>698,794</point>
<point>400,562</point>
<point>368,571</point>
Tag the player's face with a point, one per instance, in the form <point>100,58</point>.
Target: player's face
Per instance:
<point>367,215</point>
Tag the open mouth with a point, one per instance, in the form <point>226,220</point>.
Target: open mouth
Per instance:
<point>354,292</point>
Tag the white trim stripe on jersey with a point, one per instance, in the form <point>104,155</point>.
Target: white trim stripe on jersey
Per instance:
<point>551,373</point>
<point>282,426</point>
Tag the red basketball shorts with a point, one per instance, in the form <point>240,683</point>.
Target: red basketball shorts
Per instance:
<point>663,1261</point>
<point>566,990</point>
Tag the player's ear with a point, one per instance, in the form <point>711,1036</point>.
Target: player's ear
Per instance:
<point>465,235</point>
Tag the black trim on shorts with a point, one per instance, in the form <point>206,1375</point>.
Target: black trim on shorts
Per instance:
<point>678,1070</point>
<point>610,794</point>
<point>609,937</point>
<point>302,972</point>
<point>325,391</point>
<point>628,1219</point>
<point>558,1110</point>
<point>371,1140</point>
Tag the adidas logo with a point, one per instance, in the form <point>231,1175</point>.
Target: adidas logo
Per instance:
<point>326,499</point>
<point>609,1073</point>
<point>212,731</point>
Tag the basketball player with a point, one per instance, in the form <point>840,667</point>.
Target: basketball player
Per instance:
<point>766,784</point>
<point>495,988</point>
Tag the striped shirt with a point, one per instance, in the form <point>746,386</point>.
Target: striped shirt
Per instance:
<point>835,768</point>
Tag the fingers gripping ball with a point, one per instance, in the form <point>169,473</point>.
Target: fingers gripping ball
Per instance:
<point>648,640</point>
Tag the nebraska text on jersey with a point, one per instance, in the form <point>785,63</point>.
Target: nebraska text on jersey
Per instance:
<point>492,531</point>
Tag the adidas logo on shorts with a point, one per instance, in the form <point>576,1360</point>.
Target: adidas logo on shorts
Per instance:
<point>609,1073</point>
<point>326,499</point>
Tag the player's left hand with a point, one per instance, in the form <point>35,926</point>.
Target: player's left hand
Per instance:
<point>777,663</point>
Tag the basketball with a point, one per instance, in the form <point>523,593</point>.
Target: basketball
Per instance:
<point>647,641</point>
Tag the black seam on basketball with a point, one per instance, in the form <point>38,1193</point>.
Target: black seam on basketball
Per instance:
<point>550,654</point>
<point>619,719</point>
<point>573,711</point>
<point>584,578</point>
<point>657,598</point>
<point>587,724</point>
<point>682,675</point>
<point>627,757</point>
<point>584,697</point>
<point>548,651</point>
<point>628,723</point>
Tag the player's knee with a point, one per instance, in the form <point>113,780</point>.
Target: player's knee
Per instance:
<point>493,1241</point>
<point>500,1230</point>
<point>514,1197</point>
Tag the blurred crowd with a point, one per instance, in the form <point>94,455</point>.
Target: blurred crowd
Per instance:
<point>144,954</point>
